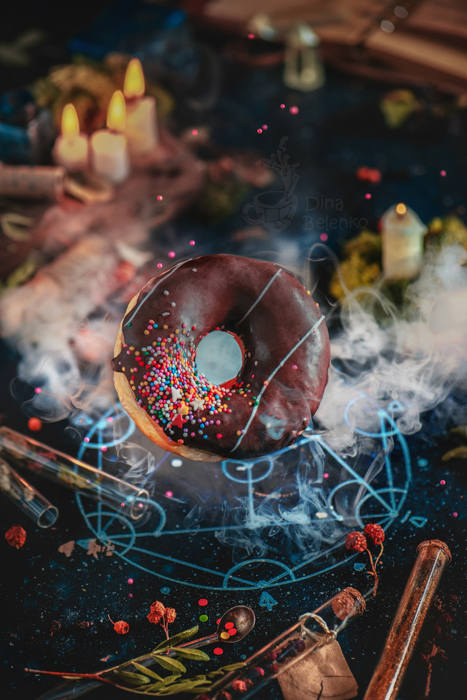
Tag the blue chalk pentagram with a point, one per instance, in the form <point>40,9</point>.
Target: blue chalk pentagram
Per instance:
<point>344,493</point>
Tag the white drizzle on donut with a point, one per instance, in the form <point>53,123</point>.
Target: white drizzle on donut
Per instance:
<point>159,280</point>
<point>260,296</point>
<point>266,383</point>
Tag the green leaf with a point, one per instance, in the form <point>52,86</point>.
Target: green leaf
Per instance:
<point>212,674</point>
<point>183,687</point>
<point>146,671</point>
<point>158,686</point>
<point>198,678</point>
<point>132,678</point>
<point>170,679</point>
<point>232,667</point>
<point>194,654</point>
<point>177,638</point>
<point>169,663</point>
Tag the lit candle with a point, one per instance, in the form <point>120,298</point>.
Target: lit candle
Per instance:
<point>402,233</point>
<point>109,148</point>
<point>71,148</point>
<point>141,123</point>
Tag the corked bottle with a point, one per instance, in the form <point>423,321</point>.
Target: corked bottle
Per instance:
<point>432,558</point>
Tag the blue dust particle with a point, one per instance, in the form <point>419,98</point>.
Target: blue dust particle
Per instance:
<point>165,590</point>
<point>422,462</point>
<point>359,567</point>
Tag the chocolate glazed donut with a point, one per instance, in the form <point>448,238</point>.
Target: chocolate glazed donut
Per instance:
<point>285,348</point>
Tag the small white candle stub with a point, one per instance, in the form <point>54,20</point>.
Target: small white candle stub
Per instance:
<point>109,147</point>
<point>403,234</point>
<point>71,148</point>
<point>141,122</point>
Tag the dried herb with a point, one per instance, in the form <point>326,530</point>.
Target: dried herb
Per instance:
<point>136,678</point>
<point>372,534</point>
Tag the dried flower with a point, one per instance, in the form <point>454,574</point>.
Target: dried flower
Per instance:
<point>157,612</point>
<point>356,542</point>
<point>16,536</point>
<point>374,533</point>
<point>170,615</point>
<point>160,612</point>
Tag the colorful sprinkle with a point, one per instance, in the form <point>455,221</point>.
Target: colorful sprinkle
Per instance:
<point>172,254</point>
<point>217,651</point>
<point>203,618</point>
<point>202,602</point>
<point>294,110</point>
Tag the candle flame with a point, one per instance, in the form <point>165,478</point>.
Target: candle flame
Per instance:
<point>70,123</point>
<point>401,209</point>
<point>116,116</point>
<point>134,80</point>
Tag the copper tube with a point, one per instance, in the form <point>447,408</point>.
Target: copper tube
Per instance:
<point>432,557</point>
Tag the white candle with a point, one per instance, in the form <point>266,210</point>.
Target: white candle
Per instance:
<point>141,123</point>
<point>71,148</point>
<point>403,234</point>
<point>109,147</point>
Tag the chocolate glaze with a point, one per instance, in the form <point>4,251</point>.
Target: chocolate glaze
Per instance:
<point>285,339</point>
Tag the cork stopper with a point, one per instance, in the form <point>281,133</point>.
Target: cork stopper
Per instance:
<point>439,544</point>
<point>347,603</point>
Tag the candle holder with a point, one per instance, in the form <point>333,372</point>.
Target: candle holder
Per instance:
<point>432,558</point>
<point>26,497</point>
<point>311,632</point>
<point>74,474</point>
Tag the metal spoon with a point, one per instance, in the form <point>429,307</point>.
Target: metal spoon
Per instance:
<point>242,618</point>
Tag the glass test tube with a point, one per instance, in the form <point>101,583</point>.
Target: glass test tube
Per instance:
<point>67,471</point>
<point>26,497</point>
<point>288,648</point>
<point>432,558</point>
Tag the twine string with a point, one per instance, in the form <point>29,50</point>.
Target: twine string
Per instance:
<point>326,638</point>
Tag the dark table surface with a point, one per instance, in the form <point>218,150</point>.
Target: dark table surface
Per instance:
<point>336,130</point>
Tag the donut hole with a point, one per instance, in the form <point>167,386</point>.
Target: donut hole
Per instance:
<point>219,357</point>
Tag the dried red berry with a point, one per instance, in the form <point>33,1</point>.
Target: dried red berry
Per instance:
<point>121,627</point>
<point>16,536</point>
<point>356,542</point>
<point>239,686</point>
<point>374,533</point>
<point>170,615</point>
